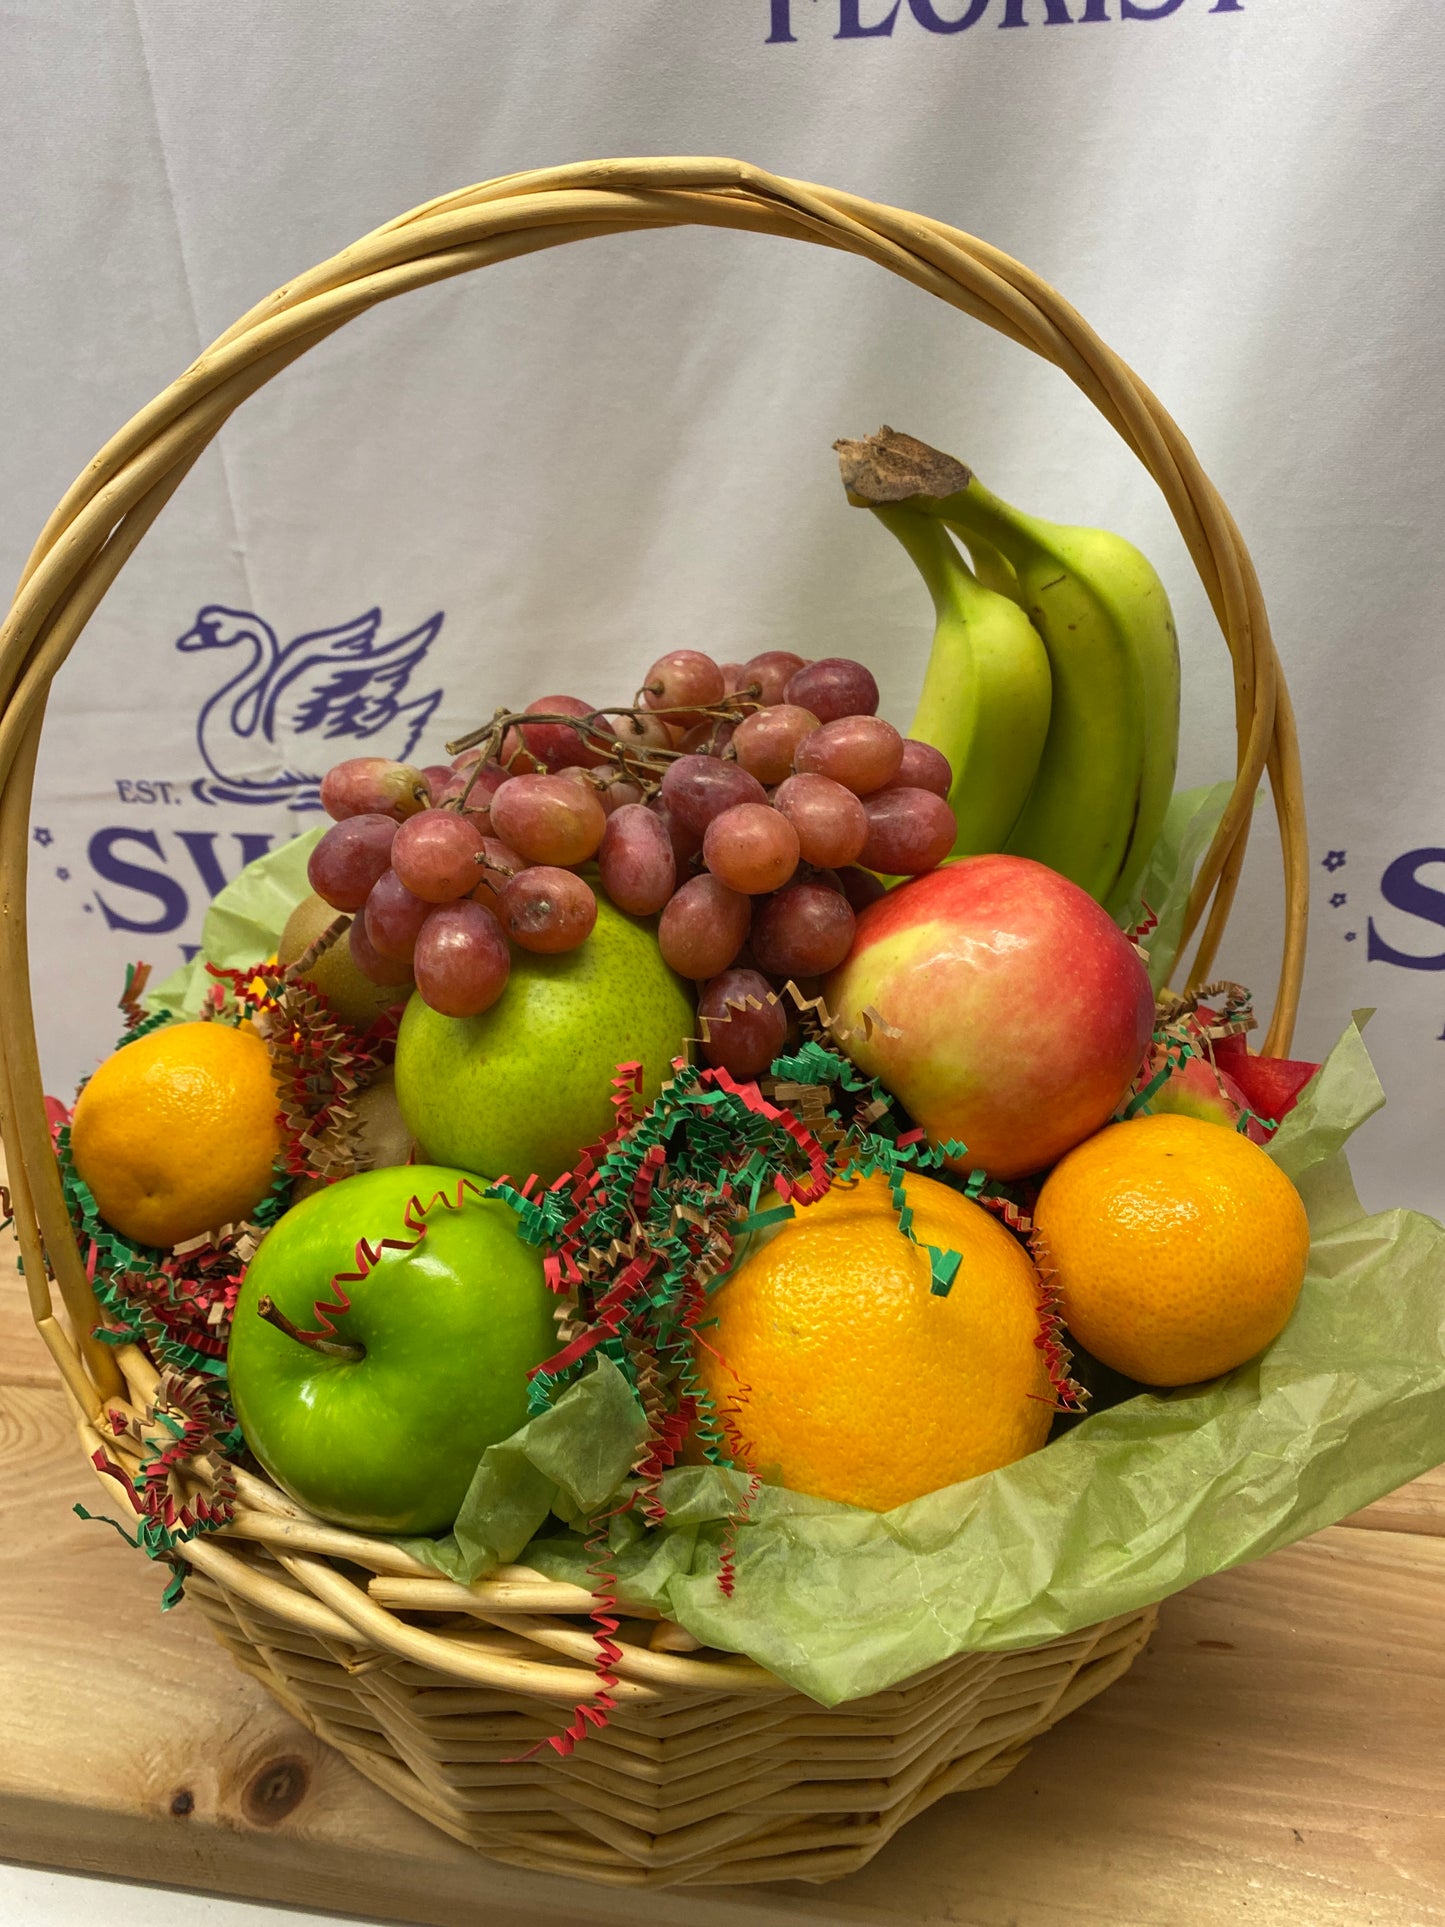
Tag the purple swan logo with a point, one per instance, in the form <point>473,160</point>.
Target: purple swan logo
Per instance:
<point>264,734</point>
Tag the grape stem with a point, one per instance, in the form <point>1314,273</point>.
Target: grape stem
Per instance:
<point>645,766</point>
<point>328,1347</point>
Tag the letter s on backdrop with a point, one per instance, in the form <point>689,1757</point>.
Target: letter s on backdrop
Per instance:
<point>1402,889</point>
<point>130,876</point>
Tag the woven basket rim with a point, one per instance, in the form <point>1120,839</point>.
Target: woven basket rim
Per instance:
<point>273,1553</point>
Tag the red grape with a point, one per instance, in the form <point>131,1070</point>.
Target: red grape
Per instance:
<point>349,859</point>
<point>478,780</point>
<point>734,677</point>
<point>923,768</point>
<point>861,888</point>
<point>450,786</point>
<point>393,917</point>
<point>710,737</point>
<point>478,807</point>
<point>548,819</point>
<point>490,778</point>
<point>698,788</point>
<point>860,752</point>
<point>909,831</point>
<point>751,848</point>
<point>557,745</point>
<point>435,855</point>
<point>678,680</point>
<point>832,687</point>
<point>547,910</point>
<point>584,779</point>
<point>610,784</point>
<point>498,866</point>
<point>620,791</point>
<point>703,927</point>
<point>478,810</point>
<point>639,732</point>
<point>639,870</point>
<point>831,823</point>
<point>369,960</point>
<point>373,786</point>
<point>436,776</point>
<point>770,673</point>
<point>515,757</point>
<point>765,741</point>
<point>802,931</point>
<point>462,961</point>
<point>746,1025</point>
<point>686,844</point>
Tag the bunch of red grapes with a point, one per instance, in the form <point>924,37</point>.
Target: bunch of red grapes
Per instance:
<point>751,807</point>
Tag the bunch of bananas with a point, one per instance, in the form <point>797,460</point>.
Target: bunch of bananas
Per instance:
<point>1053,683</point>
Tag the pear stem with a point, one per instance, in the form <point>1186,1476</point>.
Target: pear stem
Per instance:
<point>313,952</point>
<point>328,1347</point>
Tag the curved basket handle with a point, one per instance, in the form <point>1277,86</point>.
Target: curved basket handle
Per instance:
<point>113,502</point>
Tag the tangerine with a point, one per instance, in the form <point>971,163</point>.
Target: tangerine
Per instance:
<point>848,1378</point>
<point>1180,1248</point>
<point>177,1132</point>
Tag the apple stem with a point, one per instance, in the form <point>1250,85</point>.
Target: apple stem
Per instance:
<point>328,1347</point>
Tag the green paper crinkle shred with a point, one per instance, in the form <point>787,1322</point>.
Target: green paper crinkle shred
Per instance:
<point>1128,1507</point>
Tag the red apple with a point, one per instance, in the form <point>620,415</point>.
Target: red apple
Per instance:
<point>1022,1011</point>
<point>1196,1088</point>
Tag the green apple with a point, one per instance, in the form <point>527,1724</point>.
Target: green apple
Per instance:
<point>383,1432</point>
<point>523,1087</point>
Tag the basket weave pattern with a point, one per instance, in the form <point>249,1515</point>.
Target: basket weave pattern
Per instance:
<point>710,1769</point>
<point>694,1780</point>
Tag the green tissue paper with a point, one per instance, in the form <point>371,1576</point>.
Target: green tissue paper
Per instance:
<point>1122,1510</point>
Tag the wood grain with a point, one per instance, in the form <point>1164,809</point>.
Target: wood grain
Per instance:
<point>23,1357</point>
<point>1276,1754</point>
<point>1418,1507</point>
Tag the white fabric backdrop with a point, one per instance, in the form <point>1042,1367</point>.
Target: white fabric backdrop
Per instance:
<point>584,458</point>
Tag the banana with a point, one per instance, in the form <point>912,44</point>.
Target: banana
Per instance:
<point>1107,772</point>
<point>986,693</point>
<point>993,570</point>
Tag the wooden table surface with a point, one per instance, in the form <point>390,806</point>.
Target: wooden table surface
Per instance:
<point>1278,1755</point>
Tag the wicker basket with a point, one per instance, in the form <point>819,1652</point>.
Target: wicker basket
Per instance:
<point>710,1770</point>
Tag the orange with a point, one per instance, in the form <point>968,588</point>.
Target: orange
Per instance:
<point>1180,1247</point>
<point>849,1379</point>
<point>177,1132</point>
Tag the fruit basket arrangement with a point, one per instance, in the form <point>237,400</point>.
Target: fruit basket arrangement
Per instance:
<point>675,1281</point>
